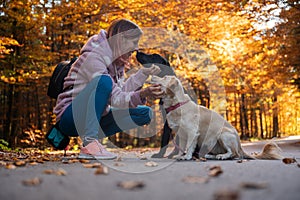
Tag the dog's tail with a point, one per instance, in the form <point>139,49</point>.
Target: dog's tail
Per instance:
<point>270,151</point>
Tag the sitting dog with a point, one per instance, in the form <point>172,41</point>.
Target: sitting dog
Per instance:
<point>195,124</point>
<point>147,60</point>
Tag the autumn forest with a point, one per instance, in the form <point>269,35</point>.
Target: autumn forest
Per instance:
<point>240,58</point>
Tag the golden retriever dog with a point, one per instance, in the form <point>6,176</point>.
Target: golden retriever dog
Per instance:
<point>195,124</point>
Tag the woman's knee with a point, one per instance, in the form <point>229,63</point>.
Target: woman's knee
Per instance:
<point>104,83</point>
<point>145,114</point>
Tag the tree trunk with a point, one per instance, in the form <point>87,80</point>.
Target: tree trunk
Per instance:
<point>275,117</point>
<point>261,121</point>
<point>244,118</point>
<point>9,117</point>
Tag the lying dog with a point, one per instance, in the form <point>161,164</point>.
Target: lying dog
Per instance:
<point>195,124</point>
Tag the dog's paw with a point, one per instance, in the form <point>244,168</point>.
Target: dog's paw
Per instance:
<point>184,158</point>
<point>223,156</point>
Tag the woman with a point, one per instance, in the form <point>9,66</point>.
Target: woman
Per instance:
<point>96,101</point>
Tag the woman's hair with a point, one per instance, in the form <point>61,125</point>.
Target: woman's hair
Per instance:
<point>121,29</point>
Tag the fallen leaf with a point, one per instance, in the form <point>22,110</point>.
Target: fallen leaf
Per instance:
<point>143,158</point>
<point>241,161</point>
<point>60,172</point>
<point>2,163</point>
<point>89,165</point>
<point>226,194</point>
<point>74,161</point>
<point>215,170</point>
<point>195,179</point>
<point>48,171</point>
<point>33,163</point>
<point>151,164</point>
<point>20,163</point>
<point>131,185</point>
<point>10,166</point>
<point>84,161</point>
<point>32,182</point>
<point>145,150</point>
<point>92,165</point>
<point>46,158</point>
<point>251,185</point>
<point>118,164</point>
<point>288,160</point>
<point>101,170</point>
<point>40,161</point>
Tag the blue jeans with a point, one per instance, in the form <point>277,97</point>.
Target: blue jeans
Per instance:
<point>83,117</point>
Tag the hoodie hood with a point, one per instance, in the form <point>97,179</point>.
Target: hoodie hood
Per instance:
<point>98,44</point>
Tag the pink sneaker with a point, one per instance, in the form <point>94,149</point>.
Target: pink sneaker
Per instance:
<point>95,150</point>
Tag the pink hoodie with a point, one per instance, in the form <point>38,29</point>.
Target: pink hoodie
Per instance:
<point>96,59</point>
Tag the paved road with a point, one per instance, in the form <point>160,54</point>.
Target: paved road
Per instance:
<point>247,180</point>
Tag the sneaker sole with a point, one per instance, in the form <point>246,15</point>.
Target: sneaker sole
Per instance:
<point>91,157</point>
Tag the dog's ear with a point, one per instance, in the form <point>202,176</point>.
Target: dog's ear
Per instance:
<point>173,82</point>
<point>170,93</point>
<point>172,86</point>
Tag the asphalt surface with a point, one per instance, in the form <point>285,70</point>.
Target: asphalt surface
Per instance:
<point>160,178</point>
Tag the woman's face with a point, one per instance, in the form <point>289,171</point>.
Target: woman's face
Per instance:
<point>129,46</point>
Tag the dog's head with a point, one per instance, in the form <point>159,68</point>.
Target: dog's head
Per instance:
<point>169,84</point>
<point>148,59</point>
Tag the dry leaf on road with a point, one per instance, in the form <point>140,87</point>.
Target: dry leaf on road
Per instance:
<point>118,164</point>
<point>215,170</point>
<point>32,182</point>
<point>10,166</point>
<point>101,170</point>
<point>195,179</point>
<point>59,172</point>
<point>151,164</point>
<point>226,194</point>
<point>289,160</point>
<point>92,165</point>
<point>131,185</point>
<point>20,163</point>
<point>84,161</point>
<point>252,185</point>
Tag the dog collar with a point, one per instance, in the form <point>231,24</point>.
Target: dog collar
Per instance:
<point>171,108</point>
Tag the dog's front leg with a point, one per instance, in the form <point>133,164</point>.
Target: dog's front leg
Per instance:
<point>181,146</point>
<point>190,145</point>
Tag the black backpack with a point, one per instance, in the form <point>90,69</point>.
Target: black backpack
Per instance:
<point>54,136</point>
<point>56,83</point>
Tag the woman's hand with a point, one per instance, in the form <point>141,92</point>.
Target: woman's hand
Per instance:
<point>153,91</point>
<point>153,70</point>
